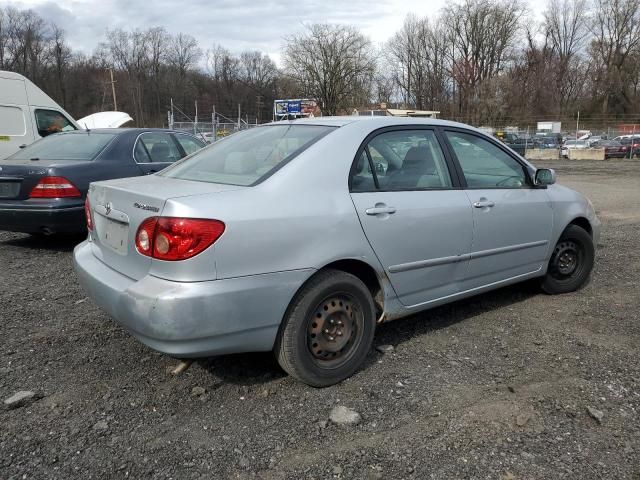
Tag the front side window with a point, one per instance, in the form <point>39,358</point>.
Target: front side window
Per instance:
<point>52,121</point>
<point>401,160</point>
<point>189,144</point>
<point>484,164</point>
<point>156,147</point>
<point>247,157</point>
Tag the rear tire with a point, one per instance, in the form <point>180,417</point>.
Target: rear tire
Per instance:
<point>571,262</point>
<point>328,329</point>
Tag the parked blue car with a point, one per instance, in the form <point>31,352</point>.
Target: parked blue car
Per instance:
<point>44,185</point>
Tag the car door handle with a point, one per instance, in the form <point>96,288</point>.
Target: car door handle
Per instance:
<point>484,204</point>
<point>380,210</point>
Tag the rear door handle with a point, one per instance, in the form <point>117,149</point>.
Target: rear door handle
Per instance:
<point>484,204</point>
<point>380,210</point>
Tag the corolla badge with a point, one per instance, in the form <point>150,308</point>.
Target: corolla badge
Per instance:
<point>146,207</point>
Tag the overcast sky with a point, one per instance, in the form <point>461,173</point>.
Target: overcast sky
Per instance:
<point>236,24</point>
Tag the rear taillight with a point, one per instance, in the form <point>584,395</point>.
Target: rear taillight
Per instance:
<point>87,214</point>
<point>54,187</point>
<point>171,238</point>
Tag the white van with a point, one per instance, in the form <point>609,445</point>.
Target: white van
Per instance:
<point>27,114</point>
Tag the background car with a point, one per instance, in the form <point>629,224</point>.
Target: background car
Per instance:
<point>299,237</point>
<point>573,144</point>
<point>632,142</point>
<point>612,149</point>
<point>43,186</point>
<point>548,141</point>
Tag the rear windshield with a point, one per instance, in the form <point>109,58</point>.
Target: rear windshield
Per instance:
<point>246,158</point>
<point>76,146</point>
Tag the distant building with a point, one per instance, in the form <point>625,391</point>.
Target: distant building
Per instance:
<point>383,111</point>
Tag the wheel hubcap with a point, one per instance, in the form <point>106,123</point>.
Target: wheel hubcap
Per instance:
<point>333,328</point>
<point>565,259</point>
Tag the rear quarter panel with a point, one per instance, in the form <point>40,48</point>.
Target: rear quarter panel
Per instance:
<point>301,217</point>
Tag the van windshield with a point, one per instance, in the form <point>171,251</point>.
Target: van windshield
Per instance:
<point>76,146</point>
<point>246,158</point>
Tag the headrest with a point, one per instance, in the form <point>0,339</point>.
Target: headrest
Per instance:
<point>419,158</point>
<point>160,152</point>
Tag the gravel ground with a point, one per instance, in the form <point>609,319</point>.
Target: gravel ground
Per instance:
<point>495,387</point>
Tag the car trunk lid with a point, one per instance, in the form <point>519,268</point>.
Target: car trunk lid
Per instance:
<point>18,177</point>
<point>120,206</point>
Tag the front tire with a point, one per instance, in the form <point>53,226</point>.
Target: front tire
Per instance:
<point>327,330</point>
<point>571,262</point>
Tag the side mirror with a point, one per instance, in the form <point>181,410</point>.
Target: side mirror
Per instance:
<point>544,177</point>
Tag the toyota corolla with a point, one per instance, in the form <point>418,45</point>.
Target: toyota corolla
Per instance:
<point>299,237</point>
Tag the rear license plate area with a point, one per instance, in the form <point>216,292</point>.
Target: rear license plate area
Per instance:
<point>9,189</point>
<point>115,235</point>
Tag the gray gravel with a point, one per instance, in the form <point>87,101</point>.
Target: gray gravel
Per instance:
<point>508,385</point>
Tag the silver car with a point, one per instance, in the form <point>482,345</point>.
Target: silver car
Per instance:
<point>299,237</point>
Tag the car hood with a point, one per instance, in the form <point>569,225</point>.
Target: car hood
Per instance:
<point>105,120</point>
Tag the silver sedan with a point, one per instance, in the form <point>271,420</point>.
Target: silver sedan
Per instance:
<point>299,237</point>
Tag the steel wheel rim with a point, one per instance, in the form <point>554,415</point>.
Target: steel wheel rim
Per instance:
<point>335,330</point>
<point>567,260</point>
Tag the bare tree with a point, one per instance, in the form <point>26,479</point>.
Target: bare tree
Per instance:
<point>565,26</point>
<point>333,63</point>
<point>183,53</point>
<point>417,54</point>
<point>482,36</point>
<point>257,69</point>
<point>61,55</point>
<point>616,30</point>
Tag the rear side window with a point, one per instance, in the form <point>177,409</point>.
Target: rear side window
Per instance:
<point>11,121</point>
<point>156,147</point>
<point>484,164</point>
<point>52,121</point>
<point>401,160</point>
<point>189,144</point>
<point>247,157</point>
<point>74,146</point>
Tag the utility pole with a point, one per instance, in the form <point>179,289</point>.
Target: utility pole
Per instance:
<point>214,122</point>
<point>195,123</point>
<point>239,117</point>
<point>171,117</point>
<point>259,105</point>
<point>577,124</point>
<point>113,90</point>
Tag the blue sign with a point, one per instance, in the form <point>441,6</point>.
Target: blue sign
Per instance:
<point>294,107</point>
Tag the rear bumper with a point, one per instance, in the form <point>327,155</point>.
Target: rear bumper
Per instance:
<point>194,319</point>
<point>42,218</point>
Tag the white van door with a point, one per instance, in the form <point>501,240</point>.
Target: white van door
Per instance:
<point>15,129</point>
<point>15,121</point>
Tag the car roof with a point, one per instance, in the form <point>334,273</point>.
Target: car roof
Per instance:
<point>378,121</point>
<point>118,131</point>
